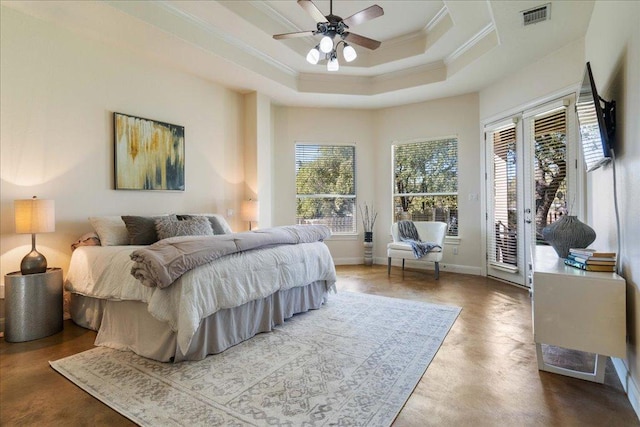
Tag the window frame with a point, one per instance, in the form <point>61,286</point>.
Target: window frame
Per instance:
<point>335,234</point>
<point>450,237</point>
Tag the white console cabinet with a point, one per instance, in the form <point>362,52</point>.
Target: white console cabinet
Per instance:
<point>576,309</point>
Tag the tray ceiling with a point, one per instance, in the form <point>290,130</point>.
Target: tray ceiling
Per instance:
<point>430,49</point>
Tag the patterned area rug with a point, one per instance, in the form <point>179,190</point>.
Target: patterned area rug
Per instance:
<point>355,361</point>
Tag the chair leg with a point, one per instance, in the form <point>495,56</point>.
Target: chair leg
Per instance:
<point>388,266</point>
<point>437,270</point>
<point>402,264</point>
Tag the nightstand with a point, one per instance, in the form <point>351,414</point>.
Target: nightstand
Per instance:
<point>33,305</point>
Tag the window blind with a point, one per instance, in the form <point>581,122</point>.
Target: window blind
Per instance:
<point>550,168</point>
<point>325,186</point>
<point>426,181</point>
<point>502,241</point>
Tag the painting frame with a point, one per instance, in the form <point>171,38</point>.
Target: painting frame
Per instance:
<point>149,155</point>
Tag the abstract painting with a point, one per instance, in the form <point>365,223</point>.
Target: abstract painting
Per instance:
<point>149,155</point>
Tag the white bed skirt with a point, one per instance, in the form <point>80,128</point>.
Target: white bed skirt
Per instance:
<point>127,325</point>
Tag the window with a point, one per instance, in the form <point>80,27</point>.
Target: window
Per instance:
<point>425,183</point>
<point>325,186</point>
<point>503,242</point>
<point>550,168</point>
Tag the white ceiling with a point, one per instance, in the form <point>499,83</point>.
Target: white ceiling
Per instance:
<point>430,49</point>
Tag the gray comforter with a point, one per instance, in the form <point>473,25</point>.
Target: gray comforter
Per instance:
<point>161,263</point>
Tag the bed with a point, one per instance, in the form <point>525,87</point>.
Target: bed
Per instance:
<point>206,309</point>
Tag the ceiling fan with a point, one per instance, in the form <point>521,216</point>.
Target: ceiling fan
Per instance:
<point>332,26</point>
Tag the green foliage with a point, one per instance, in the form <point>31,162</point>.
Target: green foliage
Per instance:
<point>425,167</point>
<point>326,172</point>
<point>551,173</point>
<point>430,168</point>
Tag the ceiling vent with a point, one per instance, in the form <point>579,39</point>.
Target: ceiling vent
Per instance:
<point>537,14</point>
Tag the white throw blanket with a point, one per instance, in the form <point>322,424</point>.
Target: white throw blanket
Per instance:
<point>104,272</point>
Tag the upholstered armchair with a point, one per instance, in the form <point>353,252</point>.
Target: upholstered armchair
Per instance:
<point>429,231</point>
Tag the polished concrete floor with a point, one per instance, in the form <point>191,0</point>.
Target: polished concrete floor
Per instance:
<point>485,373</point>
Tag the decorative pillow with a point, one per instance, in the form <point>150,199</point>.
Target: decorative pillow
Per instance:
<point>218,224</point>
<point>196,226</point>
<point>110,229</point>
<point>87,239</point>
<point>142,229</point>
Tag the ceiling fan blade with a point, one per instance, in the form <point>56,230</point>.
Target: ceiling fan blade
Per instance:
<point>293,35</point>
<point>362,41</point>
<point>312,10</point>
<point>364,15</point>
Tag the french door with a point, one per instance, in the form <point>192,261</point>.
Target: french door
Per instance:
<point>531,180</point>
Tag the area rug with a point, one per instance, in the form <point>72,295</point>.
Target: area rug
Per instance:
<point>355,361</point>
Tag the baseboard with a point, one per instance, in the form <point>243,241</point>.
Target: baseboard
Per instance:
<point>629,385</point>
<point>454,268</point>
<point>348,261</point>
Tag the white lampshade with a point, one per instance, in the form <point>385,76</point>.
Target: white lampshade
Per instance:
<point>35,216</point>
<point>349,53</point>
<point>326,44</point>
<point>333,64</point>
<point>249,210</point>
<point>313,56</point>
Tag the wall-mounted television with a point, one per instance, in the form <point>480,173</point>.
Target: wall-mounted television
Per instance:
<point>597,122</point>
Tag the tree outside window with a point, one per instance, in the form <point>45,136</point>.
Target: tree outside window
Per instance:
<point>425,183</point>
<point>550,169</point>
<point>325,186</point>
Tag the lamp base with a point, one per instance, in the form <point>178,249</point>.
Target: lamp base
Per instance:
<point>33,263</point>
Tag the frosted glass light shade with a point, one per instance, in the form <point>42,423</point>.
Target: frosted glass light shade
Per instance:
<point>326,44</point>
<point>349,53</point>
<point>333,64</point>
<point>35,216</point>
<point>313,56</point>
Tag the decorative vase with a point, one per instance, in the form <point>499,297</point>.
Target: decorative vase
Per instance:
<point>368,248</point>
<point>568,232</point>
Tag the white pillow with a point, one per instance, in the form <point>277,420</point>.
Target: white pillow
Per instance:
<point>110,229</point>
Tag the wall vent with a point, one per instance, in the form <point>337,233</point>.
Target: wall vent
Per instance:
<point>537,14</point>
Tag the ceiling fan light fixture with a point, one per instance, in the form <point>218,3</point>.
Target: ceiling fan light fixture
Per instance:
<point>333,64</point>
<point>326,44</point>
<point>349,53</point>
<point>313,56</point>
<point>333,28</point>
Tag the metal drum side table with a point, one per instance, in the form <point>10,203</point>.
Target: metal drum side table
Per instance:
<point>33,305</point>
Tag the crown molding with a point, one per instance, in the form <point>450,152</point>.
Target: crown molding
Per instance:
<point>469,44</point>
<point>222,36</point>
<point>442,13</point>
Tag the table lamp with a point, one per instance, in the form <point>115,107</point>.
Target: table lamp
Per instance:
<point>34,216</point>
<point>249,211</point>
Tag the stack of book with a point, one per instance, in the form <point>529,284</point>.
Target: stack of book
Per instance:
<point>591,259</point>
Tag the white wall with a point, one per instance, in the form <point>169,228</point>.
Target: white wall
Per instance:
<point>58,94</point>
<point>612,46</point>
<point>560,71</point>
<point>374,132</point>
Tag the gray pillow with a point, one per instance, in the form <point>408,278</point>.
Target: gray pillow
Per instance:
<point>196,226</point>
<point>142,229</point>
<point>216,226</point>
